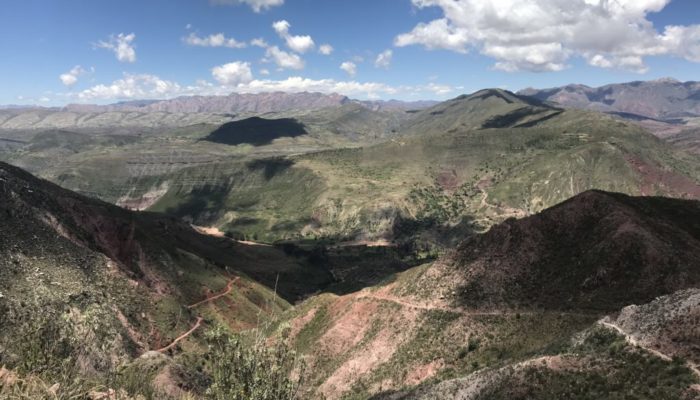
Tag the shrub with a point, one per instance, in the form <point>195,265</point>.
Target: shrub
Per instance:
<point>251,372</point>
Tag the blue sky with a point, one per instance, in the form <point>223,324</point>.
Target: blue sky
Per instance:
<point>57,52</point>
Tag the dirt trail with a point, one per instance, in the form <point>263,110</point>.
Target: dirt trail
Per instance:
<point>368,243</point>
<point>183,336</point>
<point>506,211</point>
<point>227,290</point>
<point>214,231</point>
<point>198,323</point>
<point>408,304</point>
<point>634,342</point>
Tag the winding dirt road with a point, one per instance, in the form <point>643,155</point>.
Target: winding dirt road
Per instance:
<point>209,299</point>
<point>183,336</point>
<point>634,342</point>
<point>427,307</point>
<point>198,323</point>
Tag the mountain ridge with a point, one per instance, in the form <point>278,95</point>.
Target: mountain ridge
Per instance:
<point>666,99</point>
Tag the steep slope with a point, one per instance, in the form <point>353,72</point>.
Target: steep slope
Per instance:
<point>664,99</point>
<point>517,298</point>
<point>116,283</point>
<point>553,260</point>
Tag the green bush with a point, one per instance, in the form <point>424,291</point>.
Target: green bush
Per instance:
<point>251,372</point>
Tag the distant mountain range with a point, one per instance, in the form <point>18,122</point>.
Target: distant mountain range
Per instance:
<point>247,103</point>
<point>664,99</point>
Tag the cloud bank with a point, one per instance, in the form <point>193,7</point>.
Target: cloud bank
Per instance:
<point>543,35</point>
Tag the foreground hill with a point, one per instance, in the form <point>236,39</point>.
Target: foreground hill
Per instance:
<point>514,313</point>
<point>664,99</point>
<point>77,273</point>
<point>452,169</point>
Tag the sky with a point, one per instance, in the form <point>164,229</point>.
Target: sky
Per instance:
<point>99,51</point>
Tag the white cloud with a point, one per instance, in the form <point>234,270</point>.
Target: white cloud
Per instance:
<point>686,39</point>
<point>542,35</point>
<point>264,71</point>
<point>235,78</point>
<point>233,73</point>
<point>283,59</point>
<point>281,27</point>
<point>299,84</point>
<point>437,89</point>
<point>153,87</point>
<point>632,63</point>
<point>256,5</point>
<point>325,49</point>
<point>121,45</point>
<point>437,34</point>
<point>70,78</point>
<point>259,42</point>
<point>383,60</point>
<point>349,67</point>
<point>299,44</point>
<point>142,86</point>
<point>214,40</point>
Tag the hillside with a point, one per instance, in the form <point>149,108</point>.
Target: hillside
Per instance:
<point>650,349</point>
<point>450,170</point>
<point>82,265</point>
<point>489,108</point>
<point>539,318</point>
<point>552,260</point>
<point>107,157</point>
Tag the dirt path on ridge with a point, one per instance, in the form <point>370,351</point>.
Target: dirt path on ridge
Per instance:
<point>634,342</point>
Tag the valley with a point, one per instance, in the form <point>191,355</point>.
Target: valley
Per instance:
<point>491,246</point>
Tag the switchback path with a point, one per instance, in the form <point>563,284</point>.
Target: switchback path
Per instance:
<point>227,290</point>
<point>198,323</point>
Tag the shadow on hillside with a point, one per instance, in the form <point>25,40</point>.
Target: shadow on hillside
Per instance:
<point>256,131</point>
<point>203,204</point>
<point>352,267</point>
<point>270,167</point>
